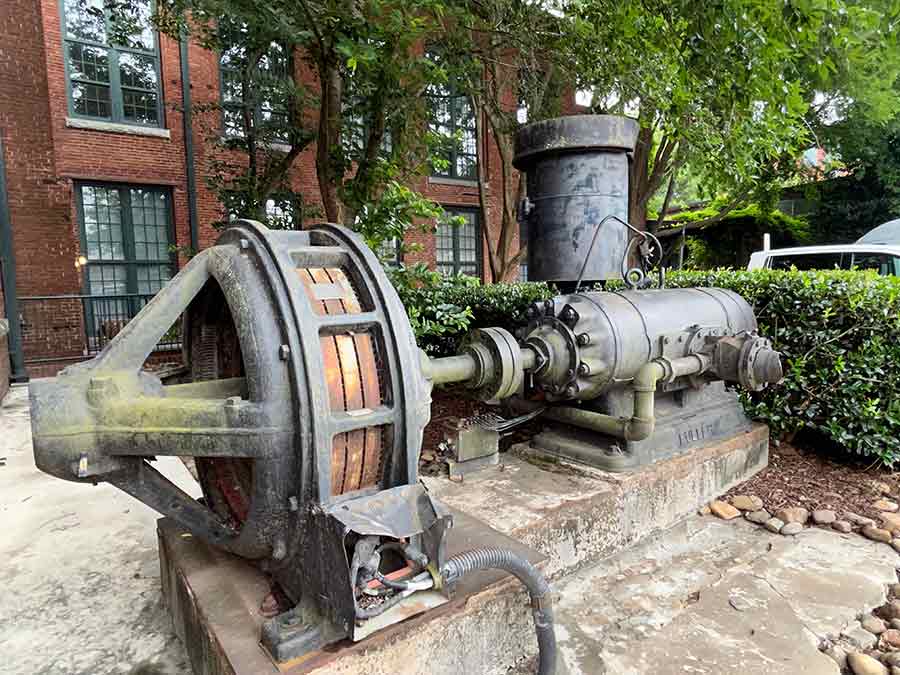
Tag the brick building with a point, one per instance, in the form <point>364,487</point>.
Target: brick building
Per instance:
<point>104,178</point>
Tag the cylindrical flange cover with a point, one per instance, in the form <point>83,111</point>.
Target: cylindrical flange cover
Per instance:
<point>577,174</point>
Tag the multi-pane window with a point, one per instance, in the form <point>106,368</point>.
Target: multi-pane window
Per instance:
<point>126,239</point>
<point>112,61</point>
<point>453,120</point>
<point>389,252</point>
<point>265,90</point>
<point>458,246</point>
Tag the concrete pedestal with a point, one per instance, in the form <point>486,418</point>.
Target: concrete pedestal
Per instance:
<point>562,516</point>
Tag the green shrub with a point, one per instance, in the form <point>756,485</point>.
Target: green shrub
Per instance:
<point>839,334</point>
<point>443,309</point>
<point>838,331</point>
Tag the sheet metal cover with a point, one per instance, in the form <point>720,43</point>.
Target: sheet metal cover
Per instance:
<point>397,512</point>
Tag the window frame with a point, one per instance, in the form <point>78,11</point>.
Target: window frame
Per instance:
<point>455,232</point>
<point>258,110</point>
<point>130,261</point>
<point>450,94</point>
<point>116,96</point>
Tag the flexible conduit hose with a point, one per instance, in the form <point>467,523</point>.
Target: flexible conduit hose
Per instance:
<point>541,609</point>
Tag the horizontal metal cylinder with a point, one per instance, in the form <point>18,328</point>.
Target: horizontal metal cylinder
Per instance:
<point>630,328</point>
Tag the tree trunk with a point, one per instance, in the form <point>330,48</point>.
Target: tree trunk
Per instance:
<point>329,137</point>
<point>640,176</point>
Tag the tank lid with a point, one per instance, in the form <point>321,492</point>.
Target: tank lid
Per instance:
<point>573,133</point>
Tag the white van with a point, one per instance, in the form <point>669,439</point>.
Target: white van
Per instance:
<point>883,258</point>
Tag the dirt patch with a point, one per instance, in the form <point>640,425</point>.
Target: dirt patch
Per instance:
<point>816,480</point>
<point>448,404</point>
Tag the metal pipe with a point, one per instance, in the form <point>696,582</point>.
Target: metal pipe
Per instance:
<point>643,419</point>
<point>457,368</point>
<point>188,130</point>
<point>8,279</point>
<point>464,367</point>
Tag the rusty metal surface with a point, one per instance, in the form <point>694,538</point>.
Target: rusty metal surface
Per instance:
<point>352,378</point>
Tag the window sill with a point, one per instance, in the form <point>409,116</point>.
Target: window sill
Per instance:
<point>275,146</point>
<point>117,128</point>
<point>441,180</point>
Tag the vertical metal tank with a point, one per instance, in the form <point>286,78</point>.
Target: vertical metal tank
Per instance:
<point>577,174</point>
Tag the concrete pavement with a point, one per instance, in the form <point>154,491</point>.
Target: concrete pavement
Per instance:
<point>81,590</point>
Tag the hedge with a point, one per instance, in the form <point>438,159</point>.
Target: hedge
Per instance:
<point>838,331</point>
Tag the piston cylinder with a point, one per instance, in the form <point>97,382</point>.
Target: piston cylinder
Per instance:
<point>601,339</point>
<point>577,174</point>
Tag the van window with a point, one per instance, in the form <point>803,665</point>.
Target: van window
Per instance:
<point>807,261</point>
<point>883,263</point>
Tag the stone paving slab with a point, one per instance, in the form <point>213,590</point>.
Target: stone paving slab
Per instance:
<point>710,597</point>
<point>80,573</point>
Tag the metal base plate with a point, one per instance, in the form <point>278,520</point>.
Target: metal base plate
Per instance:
<point>678,430</point>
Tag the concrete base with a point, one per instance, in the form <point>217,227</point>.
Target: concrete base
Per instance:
<point>576,515</point>
<point>214,600</point>
<point>560,515</point>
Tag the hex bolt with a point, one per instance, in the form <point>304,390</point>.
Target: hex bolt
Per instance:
<point>284,352</point>
<point>584,369</point>
<point>244,244</point>
<point>583,339</point>
<point>570,372</point>
<point>568,314</point>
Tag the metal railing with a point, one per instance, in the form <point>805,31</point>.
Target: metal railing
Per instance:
<point>70,327</point>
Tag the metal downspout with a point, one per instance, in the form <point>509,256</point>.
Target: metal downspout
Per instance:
<point>8,270</point>
<point>188,124</point>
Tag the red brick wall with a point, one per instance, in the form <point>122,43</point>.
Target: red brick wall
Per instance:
<point>44,157</point>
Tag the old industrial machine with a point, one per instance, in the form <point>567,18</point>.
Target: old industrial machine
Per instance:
<point>306,396</point>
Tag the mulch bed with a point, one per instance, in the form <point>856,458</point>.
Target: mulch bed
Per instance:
<point>810,473</point>
<point>819,478</point>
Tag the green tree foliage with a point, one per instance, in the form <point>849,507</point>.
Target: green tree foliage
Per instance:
<point>733,237</point>
<point>737,89</point>
<point>506,56</point>
<point>366,112</point>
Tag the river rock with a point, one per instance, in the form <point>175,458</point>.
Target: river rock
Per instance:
<point>891,521</point>
<point>874,625</point>
<point>862,664</point>
<point>774,525</point>
<point>842,526</point>
<point>759,517</point>
<point>747,502</point>
<point>886,505</point>
<point>724,510</point>
<point>823,517</point>
<point>838,655</point>
<point>891,638</point>
<point>857,519</point>
<point>876,534</point>
<point>793,514</point>
<point>858,636</point>
<point>791,529</point>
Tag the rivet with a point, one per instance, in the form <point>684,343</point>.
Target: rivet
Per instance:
<point>584,369</point>
<point>584,339</point>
